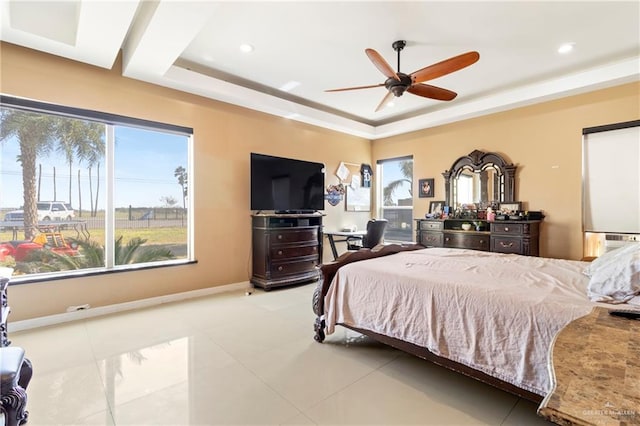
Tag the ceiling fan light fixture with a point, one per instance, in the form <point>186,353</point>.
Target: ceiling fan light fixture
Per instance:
<point>398,90</point>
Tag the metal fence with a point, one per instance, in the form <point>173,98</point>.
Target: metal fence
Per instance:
<point>98,223</point>
<point>140,217</point>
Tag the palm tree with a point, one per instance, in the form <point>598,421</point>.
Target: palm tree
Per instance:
<point>39,134</point>
<point>134,252</point>
<point>181,174</point>
<point>406,168</point>
<point>78,138</point>
<point>36,136</point>
<point>89,147</point>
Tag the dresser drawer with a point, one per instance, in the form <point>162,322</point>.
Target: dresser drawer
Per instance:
<point>279,269</point>
<point>293,235</point>
<point>507,228</point>
<point>431,225</point>
<point>283,253</point>
<point>467,241</point>
<point>500,244</point>
<point>431,239</point>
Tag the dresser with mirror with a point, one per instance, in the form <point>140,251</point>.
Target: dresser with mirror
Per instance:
<point>472,184</point>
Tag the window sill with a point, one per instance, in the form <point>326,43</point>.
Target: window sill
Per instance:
<point>19,280</point>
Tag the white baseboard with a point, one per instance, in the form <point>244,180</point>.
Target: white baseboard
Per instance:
<point>14,326</point>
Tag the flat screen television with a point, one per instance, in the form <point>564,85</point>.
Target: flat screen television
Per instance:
<point>286,185</point>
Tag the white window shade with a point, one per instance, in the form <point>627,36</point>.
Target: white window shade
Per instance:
<point>611,179</point>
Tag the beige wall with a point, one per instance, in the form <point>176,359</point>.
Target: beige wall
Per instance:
<point>224,136</point>
<point>544,140</point>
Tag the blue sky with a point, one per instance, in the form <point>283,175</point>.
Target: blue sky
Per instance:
<point>145,162</point>
<point>392,172</point>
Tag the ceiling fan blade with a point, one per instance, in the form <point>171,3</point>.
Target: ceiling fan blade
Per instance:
<point>445,67</point>
<point>381,64</point>
<point>355,88</point>
<point>386,99</point>
<point>433,92</point>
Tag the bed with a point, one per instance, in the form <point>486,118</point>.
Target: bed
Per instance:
<point>487,315</point>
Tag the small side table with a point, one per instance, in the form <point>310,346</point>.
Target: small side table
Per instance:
<point>595,369</point>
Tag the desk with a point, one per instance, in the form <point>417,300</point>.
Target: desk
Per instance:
<point>332,241</point>
<point>595,368</point>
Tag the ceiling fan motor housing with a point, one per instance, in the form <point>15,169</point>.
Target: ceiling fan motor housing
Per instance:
<point>398,87</point>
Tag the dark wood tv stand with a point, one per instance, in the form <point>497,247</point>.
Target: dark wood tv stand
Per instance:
<point>287,248</point>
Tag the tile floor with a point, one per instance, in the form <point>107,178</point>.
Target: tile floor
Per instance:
<point>232,359</point>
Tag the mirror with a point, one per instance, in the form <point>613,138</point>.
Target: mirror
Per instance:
<point>477,187</point>
<point>480,178</point>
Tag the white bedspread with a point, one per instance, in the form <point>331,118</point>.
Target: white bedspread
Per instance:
<point>494,312</point>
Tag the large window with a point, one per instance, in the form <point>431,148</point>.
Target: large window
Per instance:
<point>88,191</point>
<point>395,199</point>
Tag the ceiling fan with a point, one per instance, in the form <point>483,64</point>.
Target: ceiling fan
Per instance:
<point>397,82</point>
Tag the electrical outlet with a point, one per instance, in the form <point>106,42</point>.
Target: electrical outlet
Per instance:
<point>78,308</point>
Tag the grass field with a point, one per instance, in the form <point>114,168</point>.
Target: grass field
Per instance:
<point>154,235</point>
<point>173,235</point>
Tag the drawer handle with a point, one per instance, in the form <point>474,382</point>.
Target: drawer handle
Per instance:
<point>505,245</point>
<point>279,236</point>
<point>506,229</point>
<point>280,268</point>
<point>481,241</point>
<point>446,239</point>
<point>279,252</point>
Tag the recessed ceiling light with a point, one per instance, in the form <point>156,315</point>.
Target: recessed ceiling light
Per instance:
<point>566,47</point>
<point>246,48</point>
<point>289,86</point>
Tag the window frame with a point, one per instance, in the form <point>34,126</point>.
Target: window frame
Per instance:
<point>111,121</point>
<point>380,207</point>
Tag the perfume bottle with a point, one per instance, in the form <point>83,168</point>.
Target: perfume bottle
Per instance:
<point>491,216</point>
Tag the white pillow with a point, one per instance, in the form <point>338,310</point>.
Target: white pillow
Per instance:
<point>616,281</point>
<point>611,256</point>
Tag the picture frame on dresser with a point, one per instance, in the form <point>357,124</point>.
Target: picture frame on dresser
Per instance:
<point>507,208</point>
<point>436,207</point>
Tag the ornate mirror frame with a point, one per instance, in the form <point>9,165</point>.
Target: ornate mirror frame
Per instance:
<point>479,161</point>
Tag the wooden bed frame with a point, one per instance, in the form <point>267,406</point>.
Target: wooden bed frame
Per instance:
<point>328,271</point>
